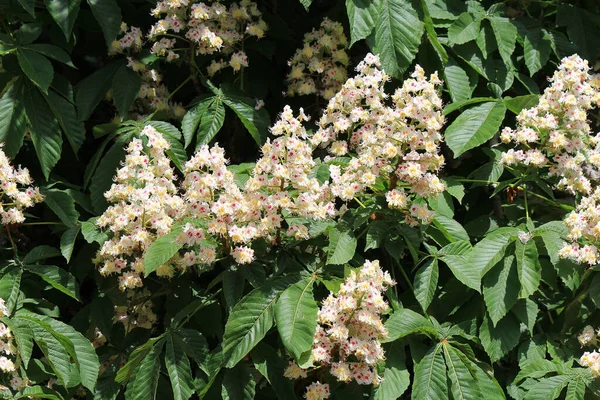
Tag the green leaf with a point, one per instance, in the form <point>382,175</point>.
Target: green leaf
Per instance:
<point>52,51</point>
<point>516,104</point>
<point>342,245</point>
<point>178,367</point>
<point>491,248</point>
<point>537,46</point>
<point>58,278</point>
<point>91,233</point>
<point>397,35</point>
<point>67,242</point>
<point>102,314</point>
<point>172,135</point>
<point>91,90</point>
<point>63,205</point>
<point>376,235</point>
<point>128,371</point>
<point>195,346</point>
<point>108,15</point>
<point>38,253</point>
<point>529,269</point>
<point>10,284</point>
<point>210,123</point>
<point>296,316</point>
<point>526,310</point>
<point>13,119</point>
<point>125,87</point>
<point>102,178</point>
<point>36,67</point>
<point>501,288</point>
<point>450,228</point>
<point>44,129</point>
<point>576,390</point>
<point>506,36</point>
<point>396,375</point>
<point>238,384</point>
<point>474,127</point>
<point>38,392</point>
<point>66,115</point>
<point>306,3</point>
<point>64,13</point>
<point>463,270</point>
<point>404,322</point>
<point>250,320</point>
<point>271,365</point>
<point>256,121</point>
<point>489,387</point>
<point>498,341</point>
<point>29,6</point>
<point>161,250</point>
<point>464,29</point>
<point>82,352</point>
<point>430,381</point>
<point>54,349</point>
<point>459,84</point>
<point>191,120</point>
<point>361,15</point>
<point>23,337</point>
<point>463,384</point>
<point>548,388</point>
<point>146,375</point>
<point>426,280</point>
<point>582,27</point>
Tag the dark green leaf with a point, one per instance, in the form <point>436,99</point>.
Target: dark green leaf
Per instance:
<point>125,86</point>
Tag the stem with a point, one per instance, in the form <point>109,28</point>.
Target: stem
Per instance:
<point>41,223</point>
<point>525,200</point>
<point>360,202</point>
<point>12,242</point>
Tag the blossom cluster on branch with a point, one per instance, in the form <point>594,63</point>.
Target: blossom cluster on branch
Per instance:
<point>556,134</point>
<point>16,194</point>
<point>320,66</point>
<point>9,356</point>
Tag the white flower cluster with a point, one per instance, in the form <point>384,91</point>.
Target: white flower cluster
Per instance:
<point>130,42</point>
<point>211,28</point>
<point>15,192</point>
<point>556,133</point>
<point>320,66</point>
<point>317,391</point>
<point>591,360</point>
<point>350,326</point>
<point>144,206</point>
<point>401,140</point>
<point>9,356</point>
<point>279,184</point>
<point>583,231</point>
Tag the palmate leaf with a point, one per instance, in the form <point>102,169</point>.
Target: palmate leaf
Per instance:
<point>64,13</point>
<point>66,115</point>
<point>63,205</point>
<point>250,320</point>
<point>529,269</point>
<point>463,384</point>
<point>238,383</point>
<point>342,245</point>
<point>404,322</point>
<point>501,288</point>
<point>459,84</point>
<point>548,388</point>
<point>256,121</point>
<point>58,278</point>
<point>37,68</point>
<point>491,249</point>
<point>125,86</point>
<point>45,131</point>
<point>12,119</point>
<point>426,280</point>
<point>397,35</point>
<point>91,90</point>
<point>61,342</point>
<point>23,335</point>
<point>464,29</point>
<point>178,367</point>
<point>146,375</point>
<point>506,37</point>
<point>10,283</point>
<point>108,15</point>
<point>296,316</point>
<point>499,340</point>
<point>162,249</point>
<point>537,47</point>
<point>172,135</point>
<point>475,126</point>
<point>127,372</point>
<point>430,382</point>
<point>67,242</point>
<point>362,15</point>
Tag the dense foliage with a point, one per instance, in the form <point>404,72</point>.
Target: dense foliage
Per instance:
<point>299,199</point>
